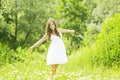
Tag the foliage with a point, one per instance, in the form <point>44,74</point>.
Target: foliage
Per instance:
<point>105,50</point>
<point>23,21</point>
<point>91,34</point>
<point>99,10</point>
<point>8,56</point>
<point>73,14</point>
<point>108,42</point>
<point>102,9</point>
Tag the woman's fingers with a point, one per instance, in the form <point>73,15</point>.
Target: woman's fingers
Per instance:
<point>73,32</point>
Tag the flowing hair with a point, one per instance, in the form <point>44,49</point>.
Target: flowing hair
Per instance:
<point>48,30</point>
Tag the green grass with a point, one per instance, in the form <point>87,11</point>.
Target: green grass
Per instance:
<point>34,68</point>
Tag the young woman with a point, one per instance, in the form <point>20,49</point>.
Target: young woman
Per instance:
<point>56,53</point>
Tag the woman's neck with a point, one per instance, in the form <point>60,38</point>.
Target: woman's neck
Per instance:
<point>53,32</point>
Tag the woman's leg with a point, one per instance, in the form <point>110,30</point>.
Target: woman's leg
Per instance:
<point>53,68</point>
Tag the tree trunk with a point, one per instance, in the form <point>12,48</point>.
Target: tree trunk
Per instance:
<point>16,25</point>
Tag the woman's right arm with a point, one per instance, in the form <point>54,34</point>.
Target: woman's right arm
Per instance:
<point>39,41</point>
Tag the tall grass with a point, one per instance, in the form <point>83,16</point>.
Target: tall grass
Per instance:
<point>78,68</point>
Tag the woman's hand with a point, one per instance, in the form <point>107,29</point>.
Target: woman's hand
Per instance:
<point>30,50</point>
<point>72,32</point>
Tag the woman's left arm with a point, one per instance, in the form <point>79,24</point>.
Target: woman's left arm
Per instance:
<point>66,31</point>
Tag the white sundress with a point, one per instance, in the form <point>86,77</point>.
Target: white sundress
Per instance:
<point>56,52</point>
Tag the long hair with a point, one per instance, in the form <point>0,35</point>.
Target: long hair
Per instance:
<point>48,30</point>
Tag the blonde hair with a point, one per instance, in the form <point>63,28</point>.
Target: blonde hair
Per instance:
<point>48,30</point>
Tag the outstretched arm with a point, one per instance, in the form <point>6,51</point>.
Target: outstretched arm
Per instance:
<point>39,41</point>
<point>66,31</point>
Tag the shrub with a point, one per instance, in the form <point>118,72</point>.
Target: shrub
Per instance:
<point>108,41</point>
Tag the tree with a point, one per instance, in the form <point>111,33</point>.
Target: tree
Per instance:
<point>73,14</point>
<point>23,21</point>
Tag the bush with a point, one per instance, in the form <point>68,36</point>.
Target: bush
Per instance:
<point>8,55</point>
<point>108,41</point>
<point>105,51</point>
